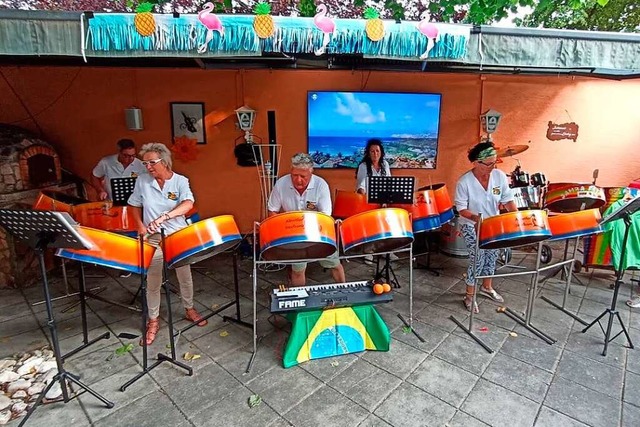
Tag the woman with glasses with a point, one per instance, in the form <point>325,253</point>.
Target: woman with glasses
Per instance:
<point>480,191</point>
<point>160,200</point>
<point>373,163</point>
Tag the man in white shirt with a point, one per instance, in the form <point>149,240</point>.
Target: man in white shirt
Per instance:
<point>125,164</point>
<point>301,190</point>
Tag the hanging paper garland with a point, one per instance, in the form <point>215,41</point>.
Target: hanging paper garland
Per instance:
<point>324,24</point>
<point>431,31</point>
<point>185,148</point>
<point>144,21</point>
<point>263,22</point>
<point>212,22</point>
<point>374,26</point>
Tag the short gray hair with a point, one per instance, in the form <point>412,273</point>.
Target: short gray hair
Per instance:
<point>302,161</point>
<point>161,149</point>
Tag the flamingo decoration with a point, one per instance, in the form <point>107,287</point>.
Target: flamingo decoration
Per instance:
<point>212,22</point>
<point>429,30</point>
<point>324,24</point>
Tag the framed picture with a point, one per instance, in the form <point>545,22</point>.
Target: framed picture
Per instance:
<point>187,119</point>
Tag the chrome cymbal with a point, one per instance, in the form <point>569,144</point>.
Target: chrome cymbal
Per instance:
<point>511,150</point>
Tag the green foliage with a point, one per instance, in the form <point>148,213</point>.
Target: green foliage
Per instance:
<point>145,7</point>
<point>307,7</point>
<point>371,13</point>
<point>262,8</point>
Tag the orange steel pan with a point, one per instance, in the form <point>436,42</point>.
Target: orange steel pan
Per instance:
<point>380,230</point>
<point>201,240</point>
<point>575,224</point>
<point>56,201</point>
<point>514,229</point>
<point>111,250</point>
<point>566,197</point>
<point>443,201</point>
<point>297,235</point>
<point>349,203</point>
<point>105,216</point>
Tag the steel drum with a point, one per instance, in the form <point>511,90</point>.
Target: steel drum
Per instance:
<point>349,203</point>
<point>526,197</point>
<point>297,235</point>
<point>56,201</point>
<point>513,229</point>
<point>443,201</point>
<point>451,239</point>
<point>380,230</point>
<point>566,197</point>
<point>105,216</point>
<point>575,224</point>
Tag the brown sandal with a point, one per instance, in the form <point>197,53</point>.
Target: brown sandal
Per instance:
<point>192,315</point>
<point>153,326</point>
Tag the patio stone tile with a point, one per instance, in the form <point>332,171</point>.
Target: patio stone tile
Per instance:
<point>207,387</point>
<point>329,367</point>
<point>18,326</point>
<point>492,335</point>
<point>424,410</point>
<point>374,421</point>
<point>99,362</point>
<point>365,384</point>
<point>58,414</point>
<point>632,389</point>
<point>223,341</point>
<point>493,405</point>
<point>432,336</point>
<point>462,419</point>
<point>589,373</point>
<point>10,312</point>
<point>282,388</point>
<point>23,342</point>
<point>110,389</point>
<point>326,407</point>
<point>583,404</point>
<point>10,297</point>
<point>550,418</point>
<point>533,351</point>
<point>630,415</point>
<point>443,380</point>
<point>519,377</point>
<point>591,346</point>
<point>390,317</point>
<point>464,353</point>
<point>633,361</point>
<point>438,316</point>
<point>138,413</point>
<point>400,360</point>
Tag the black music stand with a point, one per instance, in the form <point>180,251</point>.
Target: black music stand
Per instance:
<point>145,314</point>
<point>386,190</point>
<point>624,212</point>
<point>42,230</point>
<point>121,189</point>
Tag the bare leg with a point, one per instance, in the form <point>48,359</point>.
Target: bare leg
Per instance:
<point>469,295</point>
<point>338,274</point>
<point>298,278</point>
<point>487,284</point>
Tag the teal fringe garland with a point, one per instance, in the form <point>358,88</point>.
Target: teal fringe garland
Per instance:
<point>116,32</point>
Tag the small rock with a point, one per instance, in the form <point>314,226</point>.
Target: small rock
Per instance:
<point>5,417</point>
<point>35,389</point>
<point>48,376</point>
<point>30,365</point>
<point>54,392</point>
<point>18,408</point>
<point>8,376</point>
<point>47,354</point>
<point>6,363</point>
<point>24,357</point>
<point>37,353</point>
<point>20,394</point>
<point>18,385</point>
<point>47,366</point>
<point>5,402</point>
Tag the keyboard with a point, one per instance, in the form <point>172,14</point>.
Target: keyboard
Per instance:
<point>326,296</point>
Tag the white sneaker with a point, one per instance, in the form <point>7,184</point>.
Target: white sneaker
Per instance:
<point>368,259</point>
<point>393,257</point>
<point>634,302</point>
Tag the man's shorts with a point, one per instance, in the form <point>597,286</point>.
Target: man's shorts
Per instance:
<point>332,261</point>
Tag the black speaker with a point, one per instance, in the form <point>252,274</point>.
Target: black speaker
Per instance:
<point>273,153</point>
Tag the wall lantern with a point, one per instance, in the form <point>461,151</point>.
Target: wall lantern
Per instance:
<point>490,120</point>
<point>246,116</point>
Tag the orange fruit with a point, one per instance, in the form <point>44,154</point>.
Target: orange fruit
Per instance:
<point>378,289</point>
<point>386,287</point>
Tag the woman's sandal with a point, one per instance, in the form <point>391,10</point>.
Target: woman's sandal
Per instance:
<point>467,305</point>
<point>153,326</point>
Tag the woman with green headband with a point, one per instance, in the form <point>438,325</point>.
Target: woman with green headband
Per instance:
<point>480,191</point>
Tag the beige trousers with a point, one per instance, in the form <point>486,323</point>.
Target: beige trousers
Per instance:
<point>154,280</point>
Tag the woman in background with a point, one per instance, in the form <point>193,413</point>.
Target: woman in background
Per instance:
<point>372,164</point>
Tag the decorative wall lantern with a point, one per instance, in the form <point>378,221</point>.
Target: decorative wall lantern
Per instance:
<point>490,120</point>
<point>246,116</point>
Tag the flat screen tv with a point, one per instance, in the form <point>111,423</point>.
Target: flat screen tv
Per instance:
<point>340,123</point>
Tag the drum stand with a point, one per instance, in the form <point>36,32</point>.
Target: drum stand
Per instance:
<point>145,314</point>
<point>238,319</point>
<point>42,230</point>
<point>433,270</point>
<point>624,212</point>
<point>386,272</point>
<point>469,329</point>
<point>567,287</point>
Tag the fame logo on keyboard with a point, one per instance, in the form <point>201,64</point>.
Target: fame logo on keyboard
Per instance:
<point>292,303</point>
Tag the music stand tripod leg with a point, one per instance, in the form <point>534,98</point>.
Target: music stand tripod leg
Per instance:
<point>62,375</point>
<point>236,288</point>
<point>612,311</point>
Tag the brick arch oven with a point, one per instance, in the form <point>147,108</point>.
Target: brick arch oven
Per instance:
<point>28,165</point>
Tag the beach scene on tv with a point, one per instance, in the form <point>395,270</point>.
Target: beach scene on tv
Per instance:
<point>340,123</point>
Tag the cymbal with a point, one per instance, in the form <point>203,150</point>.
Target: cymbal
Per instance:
<point>511,150</point>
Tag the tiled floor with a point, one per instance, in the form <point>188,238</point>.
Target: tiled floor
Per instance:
<point>446,380</point>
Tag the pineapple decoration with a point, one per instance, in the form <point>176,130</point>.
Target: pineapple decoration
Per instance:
<point>374,26</point>
<point>144,20</point>
<point>263,22</point>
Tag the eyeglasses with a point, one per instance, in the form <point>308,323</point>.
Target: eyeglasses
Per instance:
<point>488,164</point>
<point>128,156</point>
<point>151,162</point>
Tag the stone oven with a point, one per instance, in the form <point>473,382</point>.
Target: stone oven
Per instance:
<point>28,165</point>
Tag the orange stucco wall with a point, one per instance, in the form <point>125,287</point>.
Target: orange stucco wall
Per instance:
<point>80,110</point>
